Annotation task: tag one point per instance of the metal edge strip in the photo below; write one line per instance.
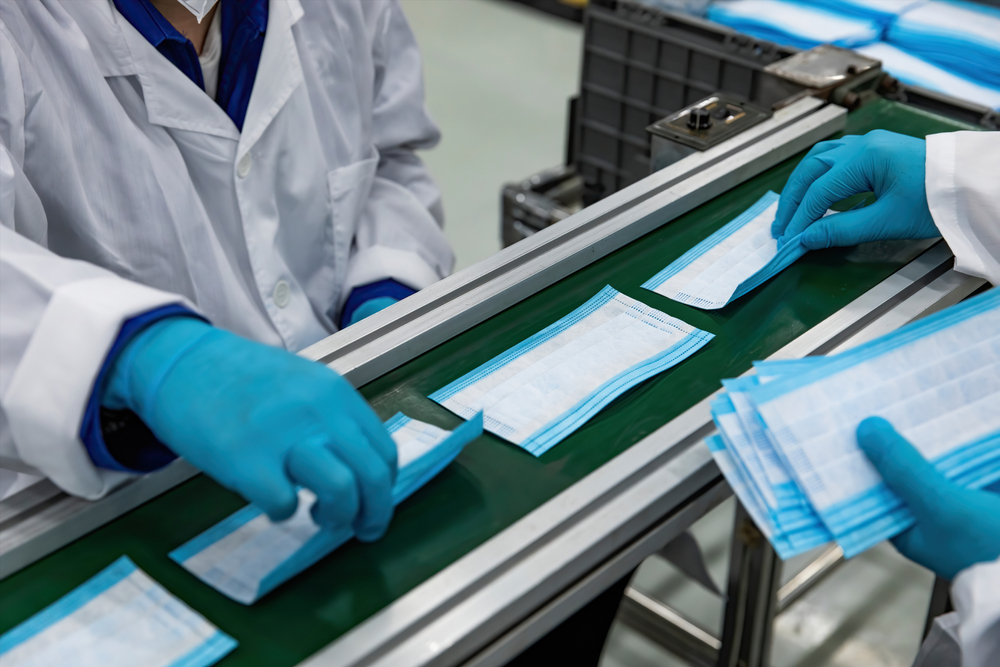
(567, 602)
(56, 524)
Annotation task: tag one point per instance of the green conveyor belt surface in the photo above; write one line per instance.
(492, 484)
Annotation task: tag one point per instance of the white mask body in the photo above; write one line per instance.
(199, 7)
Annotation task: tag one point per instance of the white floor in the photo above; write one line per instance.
(498, 79)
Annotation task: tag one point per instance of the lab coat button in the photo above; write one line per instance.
(243, 168)
(282, 293)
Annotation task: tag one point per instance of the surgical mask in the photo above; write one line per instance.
(736, 259)
(538, 392)
(247, 555)
(119, 618)
(200, 8)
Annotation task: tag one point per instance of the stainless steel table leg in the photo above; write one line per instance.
(754, 576)
(940, 603)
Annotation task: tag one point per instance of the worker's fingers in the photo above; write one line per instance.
(798, 183)
(373, 478)
(267, 487)
(840, 182)
(316, 468)
(908, 474)
(844, 229)
(354, 405)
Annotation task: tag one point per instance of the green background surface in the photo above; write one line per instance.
(492, 484)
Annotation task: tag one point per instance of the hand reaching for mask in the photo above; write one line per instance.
(260, 421)
(890, 165)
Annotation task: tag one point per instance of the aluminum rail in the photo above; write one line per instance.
(401, 332)
(57, 520)
(665, 626)
(473, 602)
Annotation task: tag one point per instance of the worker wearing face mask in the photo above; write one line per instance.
(190, 192)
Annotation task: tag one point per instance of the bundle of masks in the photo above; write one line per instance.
(916, 71)
(946, 46)
(794, 23)
(962, 37)
(787, 442)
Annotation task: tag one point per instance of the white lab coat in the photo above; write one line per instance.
(124, 187)
(964, 199)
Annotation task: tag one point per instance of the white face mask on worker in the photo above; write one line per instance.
(199, 7)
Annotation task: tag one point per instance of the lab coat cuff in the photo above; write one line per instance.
(133, 448)
(377, 263)
(975, 593)
(49, 391)
(949, 203)
(377, 290)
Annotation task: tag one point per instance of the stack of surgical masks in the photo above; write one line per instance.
(883, 11)
(541, 390)
(787, 442)
(119, 618)
(962, 37)
(247, 555)
(794, 24)
(734, 260)
(915, 71)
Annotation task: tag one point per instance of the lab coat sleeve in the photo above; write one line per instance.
(976, 596)
(400, 233)
(964, 199)
(58, 319)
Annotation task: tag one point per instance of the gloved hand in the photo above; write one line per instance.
(890, 165)
(259, 421)
(370, 307)
(956, 527)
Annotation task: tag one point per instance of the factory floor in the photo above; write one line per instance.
(498, 78)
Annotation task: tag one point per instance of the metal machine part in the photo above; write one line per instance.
(823, 67)
(700, 126)
(825, 71)
(541, 200)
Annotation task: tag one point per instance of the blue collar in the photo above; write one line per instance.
(244, 23)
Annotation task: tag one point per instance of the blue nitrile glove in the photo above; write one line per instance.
(956, 527)
(370, 307)
(259, 421)
(890, 165)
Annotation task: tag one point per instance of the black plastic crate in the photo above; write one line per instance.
(641, 64)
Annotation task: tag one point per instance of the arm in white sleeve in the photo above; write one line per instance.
(963, 169)
(976, 596)
(399, 235)
(58, 319)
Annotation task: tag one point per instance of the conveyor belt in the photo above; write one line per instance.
(493, 483)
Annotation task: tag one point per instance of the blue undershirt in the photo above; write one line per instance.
(146, 453)
(244, 23)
